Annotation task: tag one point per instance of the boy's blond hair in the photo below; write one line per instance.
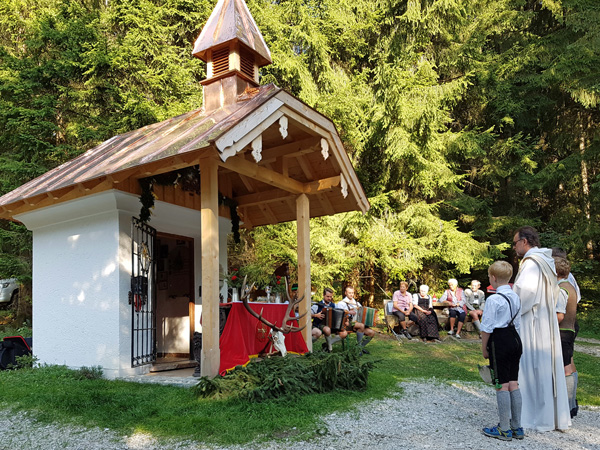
(502, 271)
(563, 266)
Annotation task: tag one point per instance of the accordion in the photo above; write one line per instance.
(367, 316)
(335, 318)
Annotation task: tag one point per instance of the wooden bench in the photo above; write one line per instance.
(413, 329)
(444, 319)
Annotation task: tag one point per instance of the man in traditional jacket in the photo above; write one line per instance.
(541, 374)
(318, 322)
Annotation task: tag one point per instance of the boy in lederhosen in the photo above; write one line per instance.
(500, 342)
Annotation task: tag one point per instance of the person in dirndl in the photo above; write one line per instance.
(424, 315)
(501, 344)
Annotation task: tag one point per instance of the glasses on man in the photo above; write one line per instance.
(515, 242)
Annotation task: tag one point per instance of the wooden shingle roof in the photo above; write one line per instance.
(270, 145)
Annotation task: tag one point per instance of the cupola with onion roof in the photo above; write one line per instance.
(234, 49)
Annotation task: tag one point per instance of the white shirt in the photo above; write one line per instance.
(416, 300)
(561, 304)
(571, 280)
(497, 312)
(348, 305)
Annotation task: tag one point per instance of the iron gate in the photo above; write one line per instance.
(142, 296)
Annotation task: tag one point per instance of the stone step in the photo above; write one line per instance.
(173, 365)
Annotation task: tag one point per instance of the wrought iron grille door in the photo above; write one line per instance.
(142, 296)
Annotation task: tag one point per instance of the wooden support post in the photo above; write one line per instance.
(304, 286)
(209, 223)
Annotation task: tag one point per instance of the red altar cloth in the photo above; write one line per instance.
(240, 340)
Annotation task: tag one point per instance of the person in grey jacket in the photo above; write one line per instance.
(474, 301)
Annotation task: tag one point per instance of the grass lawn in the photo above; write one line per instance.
(55, 394)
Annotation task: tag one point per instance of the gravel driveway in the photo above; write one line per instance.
(428, 415)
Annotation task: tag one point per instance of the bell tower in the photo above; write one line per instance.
(233, 49)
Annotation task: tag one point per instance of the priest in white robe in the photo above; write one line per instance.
(541, 373)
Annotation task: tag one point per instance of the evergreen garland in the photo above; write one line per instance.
(290, 377)
(188, 179)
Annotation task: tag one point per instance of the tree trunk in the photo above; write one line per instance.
(587, 208)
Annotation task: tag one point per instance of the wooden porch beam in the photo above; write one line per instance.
(252, 170)
(260, 197)
(324, 201)
(247, 183)
(209, 226)
(273, 195)
(268, 213)
(304, 283)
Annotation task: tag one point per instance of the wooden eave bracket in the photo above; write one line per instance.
(248, 129)
(319, 186)
(282, 108)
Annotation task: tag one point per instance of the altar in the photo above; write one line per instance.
(245, 337)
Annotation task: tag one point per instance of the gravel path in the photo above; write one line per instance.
(452, 419)
(593, 350)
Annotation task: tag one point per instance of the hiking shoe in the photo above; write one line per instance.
(365, 351)
(450, 333)
(497, 433)
(457, 336)
(518, 433)
(407, 334)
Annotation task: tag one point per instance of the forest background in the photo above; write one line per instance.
(464, 120)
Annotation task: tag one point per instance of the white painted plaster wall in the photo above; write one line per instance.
(76, 291)
(81, 277)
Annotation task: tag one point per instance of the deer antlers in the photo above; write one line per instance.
(286, 327)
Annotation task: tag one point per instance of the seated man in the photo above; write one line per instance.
(318, 322)
(474, 301)
(403, 306)
(350, 304)
(456, 297)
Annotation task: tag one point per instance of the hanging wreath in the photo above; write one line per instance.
(188, 179)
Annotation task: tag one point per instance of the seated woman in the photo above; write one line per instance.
(403, 306)
(424, 315)
(456, 297)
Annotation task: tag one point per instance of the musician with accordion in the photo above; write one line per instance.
(328, 319)
(358, 315)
